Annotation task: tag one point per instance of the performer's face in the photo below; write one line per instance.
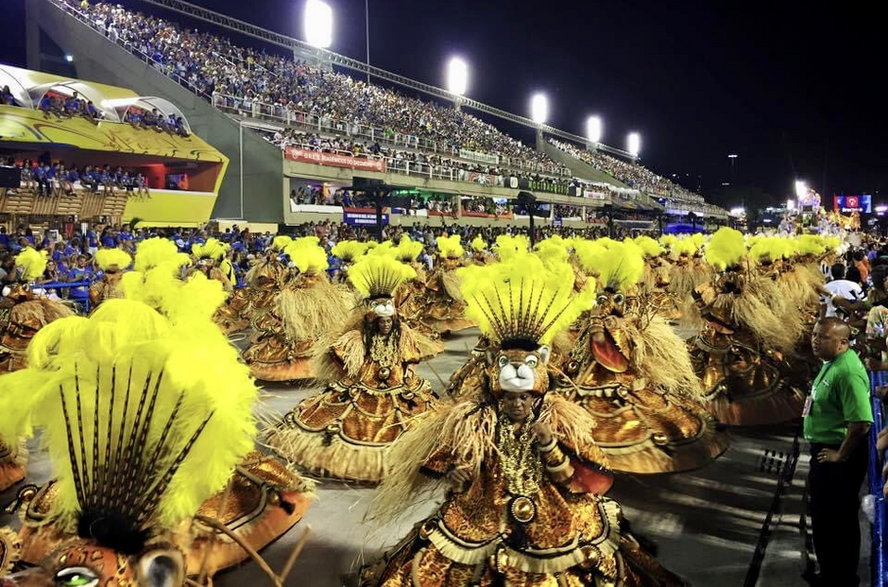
(384, 324)
(517, 406)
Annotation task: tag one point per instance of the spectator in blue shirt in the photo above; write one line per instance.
(108, 240)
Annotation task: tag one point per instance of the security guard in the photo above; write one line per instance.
(837, 417)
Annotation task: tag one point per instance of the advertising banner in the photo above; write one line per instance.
(487, 158)
(334, 160)
(862, 203)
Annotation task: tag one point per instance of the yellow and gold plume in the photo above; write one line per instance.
(479, 244)
(212, 249)
(618, 265)
(649, 246)
(307, 256)
(378, 276)
(349, 250)
(408, 249)
(507, 246)
(522, 302)
(157, 252)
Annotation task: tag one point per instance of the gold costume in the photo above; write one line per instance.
(526, 504)
(345, 431)
(741, 353)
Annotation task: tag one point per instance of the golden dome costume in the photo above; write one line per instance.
(410, 298)
(526, 503)
(632, 373)
(148, 420)
(740, 354)
(112, 262)
(344, 432)
(306, 307)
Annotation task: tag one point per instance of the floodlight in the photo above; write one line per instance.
(801, 189)
(457, 76)
(69, 58)
(790, 204)
(318, 24)
(594, 129)
(633, 144)
(738, 211)
(539, 108)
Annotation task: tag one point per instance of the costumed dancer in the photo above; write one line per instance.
(626, 366)
(22, 312)
(480, 254)
(112, 262)
(306, 307)
(262, 280)
(147, 416)
(657, 277)
(347, 251)
(345, 431)
(740, 354)
(445, 308)
(410, 299)
(688, 271)
(526, 481)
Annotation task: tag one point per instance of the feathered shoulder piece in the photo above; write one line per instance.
(522, 302)
(725, 249)
(449, 246)
(308, 258)
(113, 259)
(507, 246)
(349, 251)
(212, 249)
(32, 262)
(408, 249)
(377, 276)
(142, 421)
(619, 265)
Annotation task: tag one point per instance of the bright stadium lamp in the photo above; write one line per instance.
(457, 76)
(539, 108)
(633, 144)
(318, 24)
(801, 189)
(790, 204)
(594, 129)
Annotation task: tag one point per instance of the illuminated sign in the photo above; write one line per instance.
(854, 203)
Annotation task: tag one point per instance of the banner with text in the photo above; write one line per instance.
(487, 158)
(362, 217)
(334, 160)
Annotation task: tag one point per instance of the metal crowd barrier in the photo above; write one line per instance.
(879, 546)
(82, 301)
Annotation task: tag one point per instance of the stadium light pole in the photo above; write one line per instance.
(733, 157)
(801, 189)
(633, 144)
(594, 130)
(457, 79)
(539, 113)
(318, 23)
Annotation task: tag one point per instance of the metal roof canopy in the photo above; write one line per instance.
(19, 91)
(68, 88)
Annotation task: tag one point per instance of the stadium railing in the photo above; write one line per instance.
(81, 299)
(879, 543)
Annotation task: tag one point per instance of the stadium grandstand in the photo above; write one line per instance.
(293, 127)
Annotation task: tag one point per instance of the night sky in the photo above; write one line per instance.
(794, 89)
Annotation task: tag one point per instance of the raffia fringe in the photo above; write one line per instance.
(338, 459)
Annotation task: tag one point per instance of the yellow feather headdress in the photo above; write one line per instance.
(649, 246)
(522, 302)
(552, 250)
(113, 259)
(157, 252)
(212, 249)
(280, 242)
(378, 276)
(32, 262)
(408, 249)
(725, 249)
(478, 244)
(308, 258)
(449, 246)
(349, 250)
(142, 421)
(507, 246)
(618, 266)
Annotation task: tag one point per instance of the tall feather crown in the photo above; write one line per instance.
(212, 249)
(522, 302)
(349, 250)
(377, 276)
(725, 249)
(108, 259)
(449, 246)
(32, 262)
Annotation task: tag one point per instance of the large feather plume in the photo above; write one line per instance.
(32, 262)
(449, 246)
(212, 249)
(408, 249)
(159, 252)
(507, 246)
(726, 248)
(307, 256)
(349, 250)
(376, 275)
(109, 258)
(618, 265)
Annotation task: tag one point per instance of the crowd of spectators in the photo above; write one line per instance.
(7, 98)
(632, 174)
(50, 179)
(62, 106)
(243, 76)
(157, 120)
